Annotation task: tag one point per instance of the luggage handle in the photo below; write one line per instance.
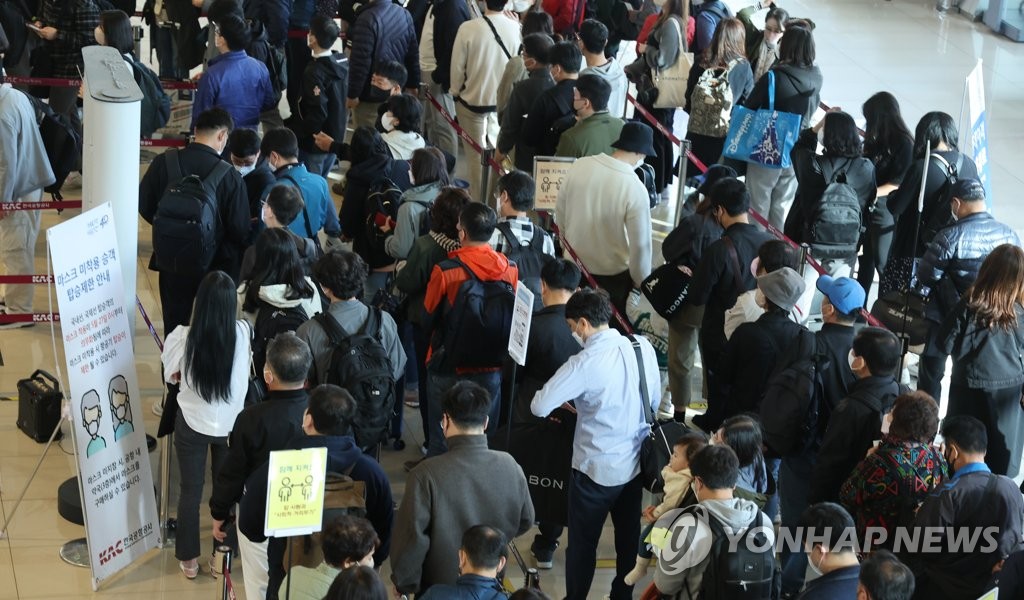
(39, 373)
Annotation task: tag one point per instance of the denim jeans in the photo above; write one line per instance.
(191, 448)
(318, 163)
(589, 506)
(439, 386)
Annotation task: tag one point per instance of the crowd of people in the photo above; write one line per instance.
(294, 322)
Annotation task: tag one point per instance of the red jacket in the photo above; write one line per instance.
(567, 14)
(444, 283)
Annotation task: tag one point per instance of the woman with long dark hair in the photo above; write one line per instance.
(939, 129)
(209, 359)
(278, 282)
(890, 146)
(724, 58)
(427, 251)
(798, 84)
(985, 337)
(372, 163)
(666, 45)
(841, 161)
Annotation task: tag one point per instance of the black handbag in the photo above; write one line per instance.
(656, 449)
(903, 313)
(666, 288)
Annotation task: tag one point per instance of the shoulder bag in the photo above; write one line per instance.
(656, 449)
(671, 81)
(764, 136)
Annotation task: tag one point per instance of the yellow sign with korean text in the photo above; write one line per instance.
(295, 492)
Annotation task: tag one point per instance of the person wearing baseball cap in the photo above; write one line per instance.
(750, 355)
(950, 265)
(841, 303)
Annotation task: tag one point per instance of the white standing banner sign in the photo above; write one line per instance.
(979, 128)
(119, 505)
(522, 317)
(548, 174)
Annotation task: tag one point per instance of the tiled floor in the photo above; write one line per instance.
(863, 46)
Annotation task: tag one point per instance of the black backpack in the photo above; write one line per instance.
(382, 201)
(836, 221)
(738, 568)
(792, 403)
(185, 224)
(156, 105)
(61, 141)
(940, 216)
(530, 258)
(360, 364)
(478, 324)
(423, 227)
(270, 321)
(645, 173)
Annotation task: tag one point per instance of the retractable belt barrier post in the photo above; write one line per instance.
(753, 213)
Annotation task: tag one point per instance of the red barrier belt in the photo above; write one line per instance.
(163, 143)
(42, 205)
(462, 133)
(665, 132)
(149, 324)
(26, 279)
(167, 84)
(29, 317)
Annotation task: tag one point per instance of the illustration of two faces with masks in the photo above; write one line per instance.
(120, 407)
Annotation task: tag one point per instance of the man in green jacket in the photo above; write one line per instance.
(595, 129)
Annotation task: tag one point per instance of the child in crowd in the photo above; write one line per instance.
(742, 433)
(677, 482)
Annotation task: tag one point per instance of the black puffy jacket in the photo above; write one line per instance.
(953, 257)
(382, 31)
(322, 105)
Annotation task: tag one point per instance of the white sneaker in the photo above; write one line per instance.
(158, 407)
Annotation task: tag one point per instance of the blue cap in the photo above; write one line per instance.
(844, 293)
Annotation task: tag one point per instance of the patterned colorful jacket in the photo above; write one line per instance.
(887, 487)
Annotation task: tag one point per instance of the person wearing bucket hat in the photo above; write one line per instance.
(950, 265)
(750, 356)
(684, 247)
(605, 216)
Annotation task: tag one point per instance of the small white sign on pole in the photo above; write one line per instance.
(548, 174)
(113, 459)
(522, 316)
(295, 492)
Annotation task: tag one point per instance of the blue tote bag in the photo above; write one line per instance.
(762, 137)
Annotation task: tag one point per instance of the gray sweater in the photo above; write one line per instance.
(446, 495)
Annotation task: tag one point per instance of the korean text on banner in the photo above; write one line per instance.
(979, 128)
(522, 316)
(548, 174)
(113, 460)
(295, 492)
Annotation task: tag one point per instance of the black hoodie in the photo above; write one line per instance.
(797, 91)
(322, 104)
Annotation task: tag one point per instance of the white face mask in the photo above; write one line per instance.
(387, 121)
(521, 6)
(851, 357)
(638, 163)
(816, 567)
(759, 298)
(245, 169)
(821, 136)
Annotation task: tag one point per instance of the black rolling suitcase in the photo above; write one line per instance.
(39, 400)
